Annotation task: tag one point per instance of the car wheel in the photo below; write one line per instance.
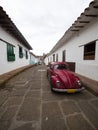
(47, 74)
(49, 77)
(51, 85)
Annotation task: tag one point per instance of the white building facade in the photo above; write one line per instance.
(79, 45)
(14, 49)
(33, 58)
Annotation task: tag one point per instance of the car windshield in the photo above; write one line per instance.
(60, 66)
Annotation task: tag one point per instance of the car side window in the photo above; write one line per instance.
(56, 67)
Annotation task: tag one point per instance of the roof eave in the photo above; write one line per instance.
(9, 26)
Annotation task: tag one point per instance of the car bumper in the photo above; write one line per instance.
(68, 90)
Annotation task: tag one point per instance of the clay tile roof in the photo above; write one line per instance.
(8, 25)
(85, 18)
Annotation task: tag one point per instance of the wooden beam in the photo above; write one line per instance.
(91, 15)
(84, 21)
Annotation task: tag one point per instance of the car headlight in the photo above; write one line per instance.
(58, 83)
(79, 83)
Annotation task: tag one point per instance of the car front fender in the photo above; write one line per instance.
(54, 79)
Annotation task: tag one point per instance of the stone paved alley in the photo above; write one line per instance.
(27, 103)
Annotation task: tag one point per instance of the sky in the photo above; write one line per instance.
(43, 22)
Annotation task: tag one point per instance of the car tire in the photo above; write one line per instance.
(47, 74)
(51, 85)
(49, 77)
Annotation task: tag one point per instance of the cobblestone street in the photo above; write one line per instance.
(27, 103)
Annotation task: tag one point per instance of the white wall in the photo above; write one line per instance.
(6, 66)
(74, 53)
(33, 59)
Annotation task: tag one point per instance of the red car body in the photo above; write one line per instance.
(62, 79)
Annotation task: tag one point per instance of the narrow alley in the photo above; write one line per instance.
(27, 103)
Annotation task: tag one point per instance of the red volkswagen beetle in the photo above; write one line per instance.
(62, 79)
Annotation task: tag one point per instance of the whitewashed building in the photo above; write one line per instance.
(79, 44)
(14, 49)
(33, 58)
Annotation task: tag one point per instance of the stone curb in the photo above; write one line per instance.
(89, 84)
(7, 76)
